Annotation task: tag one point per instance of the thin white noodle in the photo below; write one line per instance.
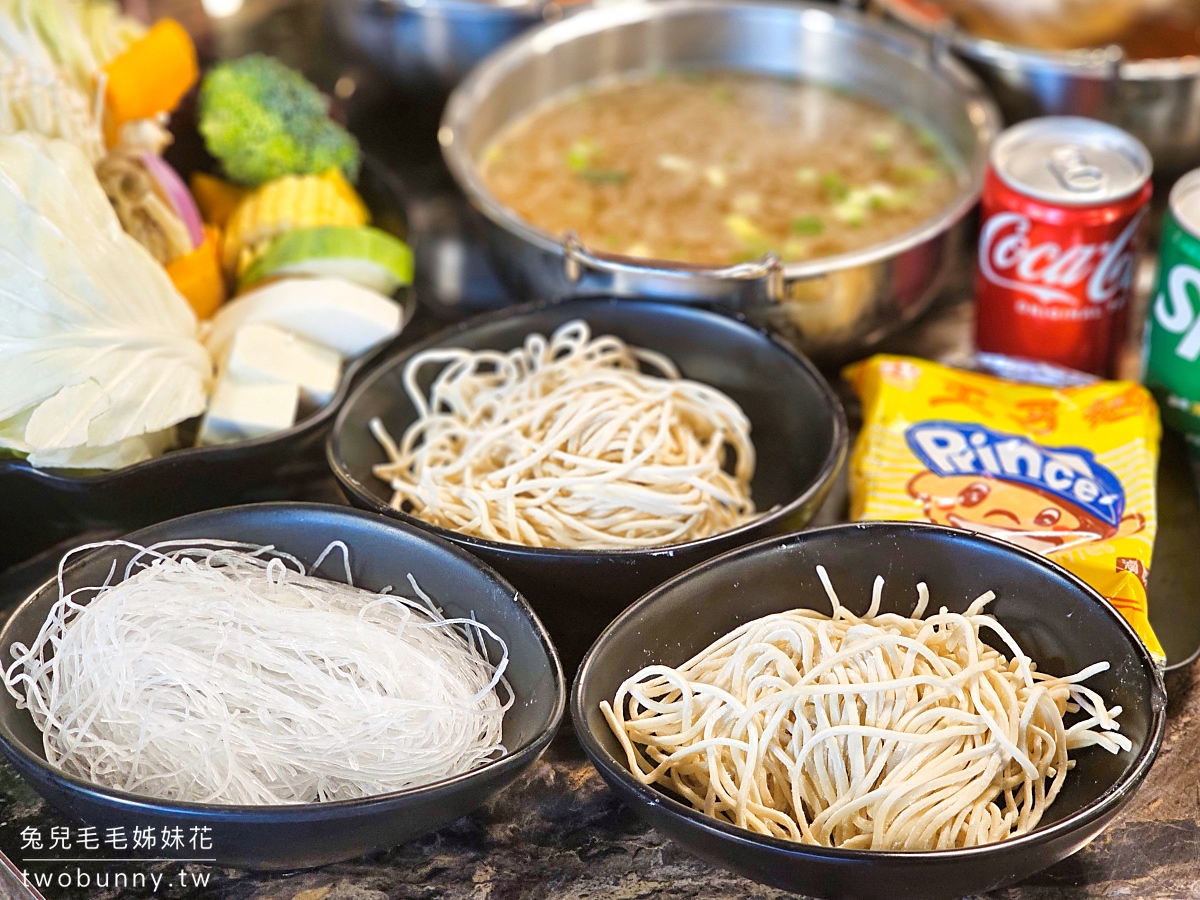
(219, 672)
(881, 732)
(567, 442)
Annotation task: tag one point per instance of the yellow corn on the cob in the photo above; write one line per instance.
(286, 204)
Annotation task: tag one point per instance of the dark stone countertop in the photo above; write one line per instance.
(560, 833)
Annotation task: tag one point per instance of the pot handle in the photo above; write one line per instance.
(579, 259)
(938, 29)
(1113, 60)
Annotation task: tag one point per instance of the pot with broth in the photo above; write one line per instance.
(734, 166)
(686, 150)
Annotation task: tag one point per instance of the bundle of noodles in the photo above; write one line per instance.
(1054, 24)
(882, 732)
(146, 213)
(46, 102)
(217, 672)
(566, 442)
(77, 37)
(50, 54)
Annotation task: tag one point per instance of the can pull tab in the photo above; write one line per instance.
(1073, 171)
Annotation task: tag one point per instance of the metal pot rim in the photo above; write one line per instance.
(1101, 63)
(478, 7)
(481, 81)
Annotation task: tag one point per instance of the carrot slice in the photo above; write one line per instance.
(197, 275)
(216, 198)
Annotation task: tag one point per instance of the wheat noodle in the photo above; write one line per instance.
(880, 732)
(566, 442)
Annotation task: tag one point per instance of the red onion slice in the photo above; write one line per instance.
(176, 191)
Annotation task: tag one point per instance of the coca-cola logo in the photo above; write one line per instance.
(1048, 272)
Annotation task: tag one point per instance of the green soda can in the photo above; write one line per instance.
(1172, 342)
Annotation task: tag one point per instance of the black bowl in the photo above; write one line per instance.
(1058, 620)
(303, 835)
(798, 428)
(53, 504)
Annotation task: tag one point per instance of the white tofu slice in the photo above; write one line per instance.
(334, 313)
(265, 353)
(240, 411)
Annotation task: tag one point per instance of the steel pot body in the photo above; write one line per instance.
(425, 47)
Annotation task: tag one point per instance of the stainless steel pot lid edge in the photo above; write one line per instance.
(1101, 63)
(531, 8)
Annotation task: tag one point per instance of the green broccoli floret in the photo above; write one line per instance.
(263, 120)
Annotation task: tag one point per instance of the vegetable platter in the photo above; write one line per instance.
(206, 264)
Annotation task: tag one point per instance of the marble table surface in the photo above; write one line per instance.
(559, 832)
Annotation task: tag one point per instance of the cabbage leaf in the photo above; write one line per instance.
(99, 355)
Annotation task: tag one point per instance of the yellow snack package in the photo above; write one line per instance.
(1066, 472)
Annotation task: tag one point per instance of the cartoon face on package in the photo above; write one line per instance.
(1064, 472)
(1046, 499)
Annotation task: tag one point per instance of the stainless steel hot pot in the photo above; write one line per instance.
(426, 46)
(832, 307)
(1156, 100)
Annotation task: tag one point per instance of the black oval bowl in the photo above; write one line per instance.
(797, 424)
(53, 504)
(304, 835)
(1057, 619)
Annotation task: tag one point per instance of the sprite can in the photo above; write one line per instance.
(1172, 357)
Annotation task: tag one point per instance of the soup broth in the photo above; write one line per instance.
(719, 168)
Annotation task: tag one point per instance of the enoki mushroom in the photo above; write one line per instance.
(567, 442)
(879, 732)
(217, 672)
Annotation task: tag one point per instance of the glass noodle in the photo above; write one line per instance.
(220, 672)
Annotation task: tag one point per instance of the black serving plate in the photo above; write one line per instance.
(382, 553)
(45, 506)
(1035, 598)
(798, 428)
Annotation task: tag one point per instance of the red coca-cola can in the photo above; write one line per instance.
(1064, 199)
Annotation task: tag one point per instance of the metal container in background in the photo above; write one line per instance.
(425, 47)
(1155, 100)
(831, 308)
(1172, 357)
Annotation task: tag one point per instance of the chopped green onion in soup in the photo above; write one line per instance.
(834, 186)
(745, 230)
(807, 175)
(716, 176)
(807, 226)
(581, 153)
(673, 163)
(747, 203)
(603, 176)
(883, 143)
